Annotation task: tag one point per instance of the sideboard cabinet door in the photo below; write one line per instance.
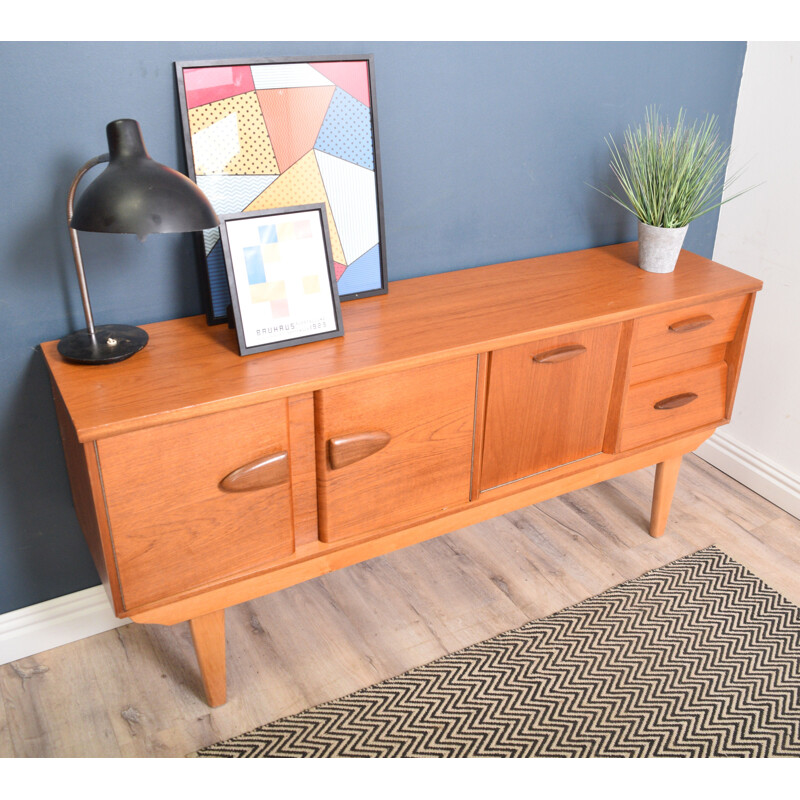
(395, 448)
(547, 404)
(197, 501)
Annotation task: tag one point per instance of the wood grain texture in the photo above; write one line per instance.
(735, 354)
(6, 746)
(321, 558)
(675, 401)
(663, 489)
(454, 398)
(105, 696)
(263, 473)
(151, 715)
(77, 455)
(612, 442)
(303, 468)
(680, 362)
(644, 422)
(172, 525)
(482, 309)
(672, 333)
(37, 691)
(540, 415)
(481, 393)
(559, 354)
(208, 634)
(87, 498)
(691, 324)
(352, 447)
(422, 469)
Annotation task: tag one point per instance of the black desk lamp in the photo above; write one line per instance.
(134, 194)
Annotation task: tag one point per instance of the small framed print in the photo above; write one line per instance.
(281, 276)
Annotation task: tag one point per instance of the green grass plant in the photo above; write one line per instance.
(670, 174)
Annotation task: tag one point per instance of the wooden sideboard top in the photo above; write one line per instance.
(189, 368)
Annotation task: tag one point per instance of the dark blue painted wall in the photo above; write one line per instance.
(485, 148)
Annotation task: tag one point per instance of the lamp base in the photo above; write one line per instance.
(108, 344)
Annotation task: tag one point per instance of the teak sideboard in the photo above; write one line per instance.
(203, 479)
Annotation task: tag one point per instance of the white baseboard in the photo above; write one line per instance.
(759, 473)
(62, 620)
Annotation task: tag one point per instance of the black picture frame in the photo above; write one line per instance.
(281, 277)
(352, 192)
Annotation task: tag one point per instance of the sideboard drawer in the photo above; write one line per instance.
(674, 404)
(394, 448)
(175, 522)
(676, 332)
(682, 362)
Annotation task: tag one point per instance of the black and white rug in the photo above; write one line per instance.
(698, 658)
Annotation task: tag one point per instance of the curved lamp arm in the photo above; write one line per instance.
(134, 194)
(73, 235)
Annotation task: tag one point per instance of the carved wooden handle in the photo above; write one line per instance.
(676, 401)
(691, 324)
(559, 354)
(272, 470)
(344, 450)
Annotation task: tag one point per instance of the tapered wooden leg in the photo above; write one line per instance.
(208, 634)
(664, 488)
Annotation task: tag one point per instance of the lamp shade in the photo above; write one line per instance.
(135, 194)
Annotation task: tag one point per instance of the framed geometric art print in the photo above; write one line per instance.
(275, 133)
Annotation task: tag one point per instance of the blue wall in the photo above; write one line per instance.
(485, 148)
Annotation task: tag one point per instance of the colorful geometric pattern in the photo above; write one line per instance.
(229, 138)
(346, 131)
(302, 179)
(699, 658)
(277, 135)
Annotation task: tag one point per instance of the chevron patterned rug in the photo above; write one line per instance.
(698, 658)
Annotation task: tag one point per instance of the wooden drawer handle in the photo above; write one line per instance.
(692, 324)
(271, 470)
(676, 401)
(344, 450)
(559, 354)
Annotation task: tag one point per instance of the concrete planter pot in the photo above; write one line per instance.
(659, 247)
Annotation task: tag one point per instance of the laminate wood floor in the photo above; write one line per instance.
(136, 691)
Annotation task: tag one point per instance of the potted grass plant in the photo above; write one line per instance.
(669, 175)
